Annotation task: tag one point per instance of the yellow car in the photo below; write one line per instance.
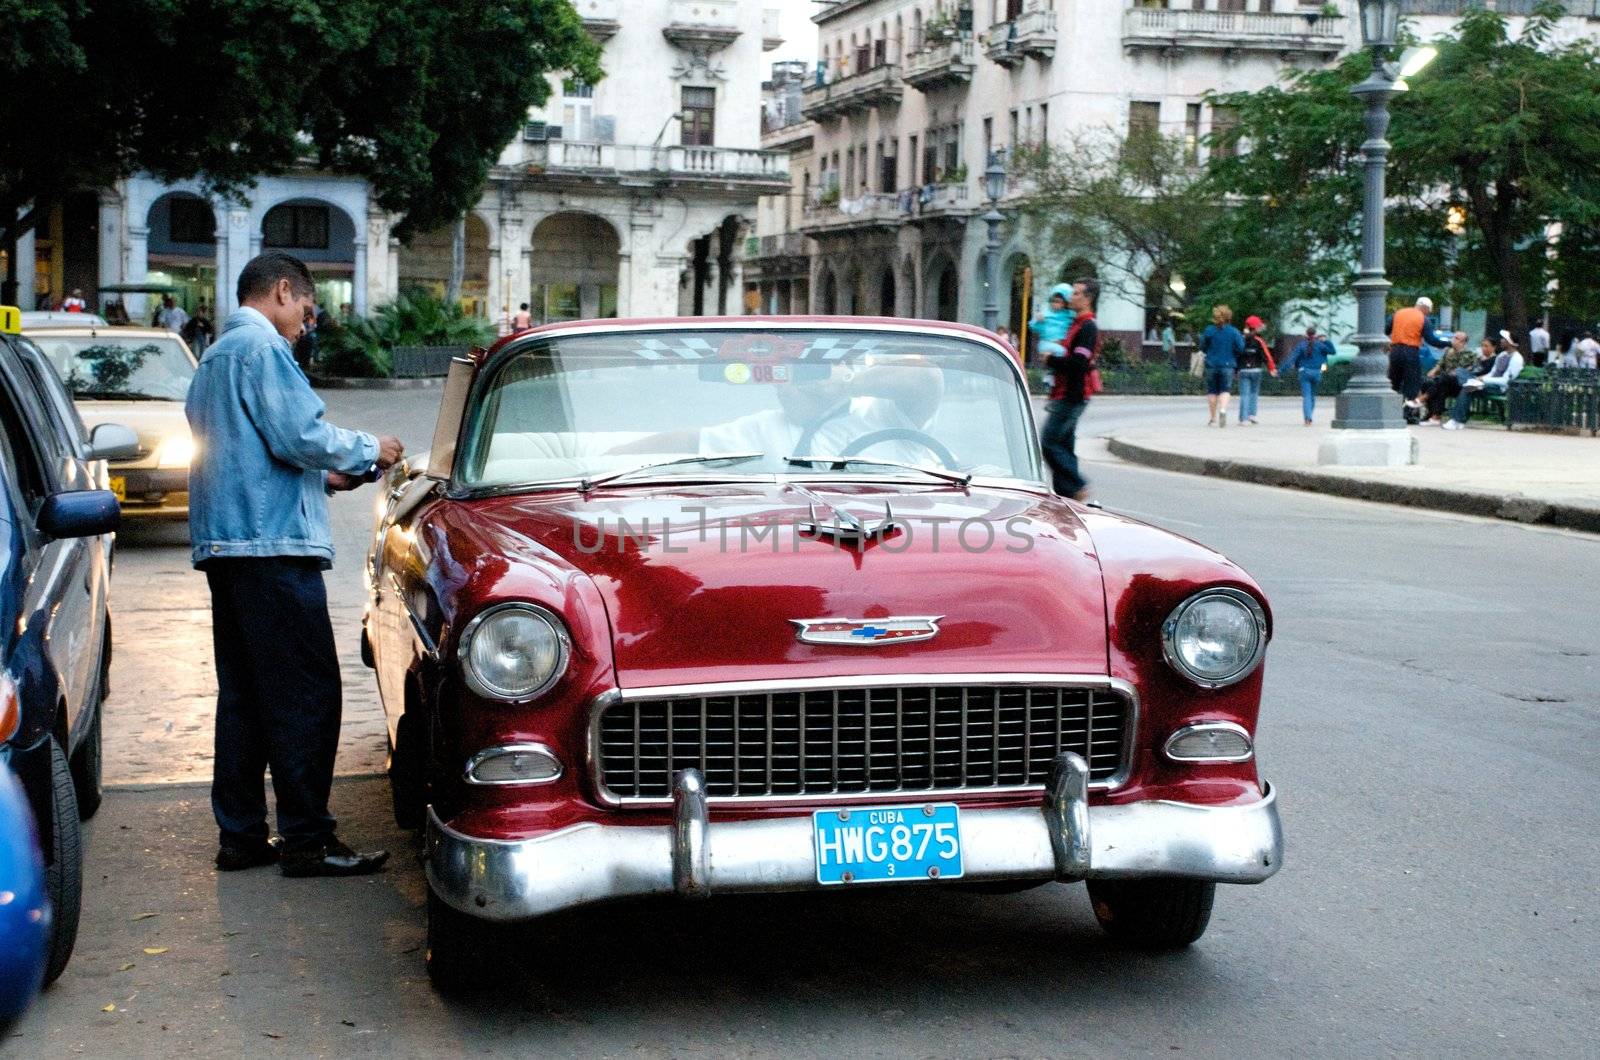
(138, 377)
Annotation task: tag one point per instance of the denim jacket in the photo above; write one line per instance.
(257, 485)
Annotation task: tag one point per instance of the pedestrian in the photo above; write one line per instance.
(1408, 331)
(171, 315)
(1441, 383)
(1539, 344)
(1220, 344)
(75, 303)
(258, 519)
(1052, 328)
(1508, 364)
(522, 320)
(1255, 360)
(116, 312)
(1588, 351)
(1169, 341)
(1309, 359)
(1075, 378)
(1003, 333)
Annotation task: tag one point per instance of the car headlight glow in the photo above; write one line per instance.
(177, 451)
(1216, 637)
(513, 652)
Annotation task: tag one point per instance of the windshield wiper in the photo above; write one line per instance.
(585, 485)
(839, 463)
(116, 395)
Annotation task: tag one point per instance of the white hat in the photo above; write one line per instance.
(1425, 302)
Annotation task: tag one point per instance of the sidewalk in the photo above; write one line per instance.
(1486, 470)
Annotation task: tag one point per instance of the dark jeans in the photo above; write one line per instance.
(278, 690)
(1405, 370)
(1463, 405)
(1440, 389)
(1061, 446)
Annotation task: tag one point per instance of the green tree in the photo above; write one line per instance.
(1499, 130)
(416, 96)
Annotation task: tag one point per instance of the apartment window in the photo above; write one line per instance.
(911, 161)
(850, 172)
(1016, 128)
(1144, 119)
(988, 137)
(1223, 121)
(191, 221)
(1027, 126)
(1191, 133)
(1044, 123)
(577, 110)
(699, 116)
(930, 161)
(952, 153)
(889, 170)
(299, 225)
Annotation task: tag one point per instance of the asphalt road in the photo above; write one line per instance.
(1431, 720)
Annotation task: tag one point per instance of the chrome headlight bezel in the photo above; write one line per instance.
(476, 682)
(1169, 634)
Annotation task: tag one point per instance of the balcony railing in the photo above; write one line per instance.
(577, 158)
(1311, 33)
(942, 200)
(874, 209)
(708, 24)
(1030, 33)
(876, 87)
(939, 64)
(602, 18)
(781, 245)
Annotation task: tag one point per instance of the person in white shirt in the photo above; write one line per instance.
(1507, 367)
(74, 304)
(172, 317)
(1588, 351)
(1539, 343)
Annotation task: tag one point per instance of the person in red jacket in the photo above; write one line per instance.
(1076, 377)
(1256, 359)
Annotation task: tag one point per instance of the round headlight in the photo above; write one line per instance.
(513, 652)
(1216, 637)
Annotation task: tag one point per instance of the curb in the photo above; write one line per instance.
(1510, 507)
(377, 384)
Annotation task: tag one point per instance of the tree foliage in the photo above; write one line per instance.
(1501, 128)
(416, 96)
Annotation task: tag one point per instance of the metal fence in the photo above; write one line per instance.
(421, 362)
(1564, 400)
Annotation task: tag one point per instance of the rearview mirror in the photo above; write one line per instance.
(112, 441)
(79, 513)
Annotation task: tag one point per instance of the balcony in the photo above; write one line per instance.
(941, 64)
(602, 18)
(780, 247)
(878, 87)
(705, 25)
(875, 209)
(783, 133)
(771, 29)
(1030, 33)
(1286, 33)
(937, 202)
(635, 164)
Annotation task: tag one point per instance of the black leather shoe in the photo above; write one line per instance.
(232, 859)
(332, 858)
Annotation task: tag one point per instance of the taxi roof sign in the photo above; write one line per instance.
(10, 320)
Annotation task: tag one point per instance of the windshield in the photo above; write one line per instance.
(122, 368)
(766, 401)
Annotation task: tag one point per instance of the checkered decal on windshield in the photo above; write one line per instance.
(698, 348)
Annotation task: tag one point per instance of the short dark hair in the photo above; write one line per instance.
(524, 305)
(262, 273)
(1091, 290)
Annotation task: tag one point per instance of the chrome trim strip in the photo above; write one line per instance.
(512, 748)
(1169, 649)
(518, 880)
(604, 700)
(429, 645)
(563, 642)
(691, 865)
(1207, 726)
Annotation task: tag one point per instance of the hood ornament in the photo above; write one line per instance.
(847, 529)
(866, 632)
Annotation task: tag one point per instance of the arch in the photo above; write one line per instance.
(577, 258)
(1076, 267)
(906, 304)
(827, 293)
(1013, 313)
(181, 248)
(887, 293)
(320, 233)
(425, 263)
(942, 289)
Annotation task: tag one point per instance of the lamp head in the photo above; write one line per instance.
(1380, 23)
(994, 177)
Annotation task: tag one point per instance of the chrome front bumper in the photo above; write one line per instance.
(1065, 840)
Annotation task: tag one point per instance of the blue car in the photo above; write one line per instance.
(56, 526)
(25, 914)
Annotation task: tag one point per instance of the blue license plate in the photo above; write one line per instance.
(871, 844)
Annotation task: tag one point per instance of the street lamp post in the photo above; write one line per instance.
(994, 185)
(1368, 425)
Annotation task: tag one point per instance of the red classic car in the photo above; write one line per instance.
(711, 606)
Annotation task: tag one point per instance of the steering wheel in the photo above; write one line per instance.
(903, 434)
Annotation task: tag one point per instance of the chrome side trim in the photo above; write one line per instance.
(604, 700)
(1169, 648)
(512, 748)
(1207, 726)
(512, 880)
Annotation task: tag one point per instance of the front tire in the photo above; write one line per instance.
(63, 877)
(1153, 914)
(408, 784)
(464, 954)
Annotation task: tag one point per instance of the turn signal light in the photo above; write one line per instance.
(10, 708)
(514, 764)
(1211, 741)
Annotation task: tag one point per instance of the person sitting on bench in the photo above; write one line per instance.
(1507, 366)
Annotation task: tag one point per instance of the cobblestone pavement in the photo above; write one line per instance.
(158, 723)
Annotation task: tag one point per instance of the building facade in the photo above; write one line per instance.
(632, 197)
(909, 98)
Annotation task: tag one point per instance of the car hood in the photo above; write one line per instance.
(152, 421)
(706, 583)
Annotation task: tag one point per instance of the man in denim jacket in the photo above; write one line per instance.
(258, 522)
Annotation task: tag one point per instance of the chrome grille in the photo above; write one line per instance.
(852, 741)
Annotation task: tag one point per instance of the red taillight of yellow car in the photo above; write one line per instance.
(10, 708)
